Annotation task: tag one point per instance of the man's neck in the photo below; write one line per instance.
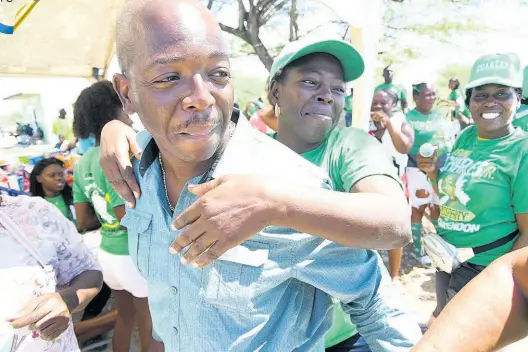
(388, 81)
(177, 170)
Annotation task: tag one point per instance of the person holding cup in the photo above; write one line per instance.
(482, 185)
(429, 126)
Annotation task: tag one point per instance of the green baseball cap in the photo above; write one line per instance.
(503, 69)
(350, 59)
(525, 83)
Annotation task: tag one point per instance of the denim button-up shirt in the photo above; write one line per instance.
(271, 293)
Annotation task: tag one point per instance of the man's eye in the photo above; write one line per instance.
(308, 81)
(168, 79)
(221, 74)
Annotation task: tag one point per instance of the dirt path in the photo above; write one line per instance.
(417, 286)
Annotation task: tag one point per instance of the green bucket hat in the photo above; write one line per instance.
(350, 59)
(503, 69)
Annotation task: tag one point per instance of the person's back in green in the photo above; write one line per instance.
(91, 186)
(399, 91)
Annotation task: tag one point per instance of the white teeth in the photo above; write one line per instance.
(490, 115)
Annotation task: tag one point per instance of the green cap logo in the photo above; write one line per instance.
(503, 69)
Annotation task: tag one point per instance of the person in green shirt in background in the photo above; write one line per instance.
(47, 180)
(429, 127)
(521, 116)
(388, 75)
(483, 184)
(348, 108)
(97, 202)
(455, 100)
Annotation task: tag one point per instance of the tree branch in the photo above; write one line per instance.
(242, 15)
(237, 33)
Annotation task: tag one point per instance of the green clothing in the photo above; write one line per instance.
(64, 127)
(397, 89)
(341, 329)
(456, 95)
(483, 184)
(61, 205)
(348, 104)
(349, 155)
(90, 185)
(432, 128)
(521, 118)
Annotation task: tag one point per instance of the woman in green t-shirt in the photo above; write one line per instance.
(429, 126)
(47, 180)
(483, 184)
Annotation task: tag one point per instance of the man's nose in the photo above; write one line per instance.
(200, 97)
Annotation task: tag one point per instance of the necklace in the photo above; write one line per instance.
(206, 177)
(165, 184)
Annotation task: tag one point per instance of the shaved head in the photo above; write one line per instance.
(176, 76)
(183, 19)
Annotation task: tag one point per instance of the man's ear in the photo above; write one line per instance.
(122, 88)
(274, 93)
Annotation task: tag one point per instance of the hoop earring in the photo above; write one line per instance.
(277, 110)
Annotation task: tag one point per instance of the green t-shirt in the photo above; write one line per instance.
(456, 95)
(521, 118)
(431, 128)
(348, 104)
(483, 184)
(349, 155)
(397, 89)
(61, 205)
(90, 185)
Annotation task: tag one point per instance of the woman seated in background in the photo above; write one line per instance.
(483, 184)
(97, 202)
(47, 274)
(47, 180)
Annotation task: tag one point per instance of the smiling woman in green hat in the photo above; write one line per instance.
(483, 184)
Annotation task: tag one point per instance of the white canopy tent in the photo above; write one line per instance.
(54, 50)
(62, 39)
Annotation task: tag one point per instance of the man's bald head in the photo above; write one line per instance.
(176, 20)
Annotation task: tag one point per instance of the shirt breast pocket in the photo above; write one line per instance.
(233, 281)
(139, 227)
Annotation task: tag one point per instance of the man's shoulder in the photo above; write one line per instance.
(252, 152)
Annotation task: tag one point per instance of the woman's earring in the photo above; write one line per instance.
(277, 110)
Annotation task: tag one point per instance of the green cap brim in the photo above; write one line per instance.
(350, 59)
(494, 80)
